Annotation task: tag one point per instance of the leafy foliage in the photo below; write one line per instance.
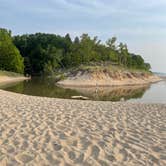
(10, 58)
(45, 53)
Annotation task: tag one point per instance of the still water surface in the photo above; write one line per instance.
(154, 93)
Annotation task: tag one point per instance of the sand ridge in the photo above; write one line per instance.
(44, 131)
(9, 79)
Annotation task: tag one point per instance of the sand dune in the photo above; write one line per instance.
(44, 131)
(107, 78)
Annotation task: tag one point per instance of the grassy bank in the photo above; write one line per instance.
(109, 67)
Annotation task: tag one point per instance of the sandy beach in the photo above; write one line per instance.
(44, 131)
(9, 79)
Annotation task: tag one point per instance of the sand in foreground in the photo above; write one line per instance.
(43, 131)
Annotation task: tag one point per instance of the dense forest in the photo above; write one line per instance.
(45, 53)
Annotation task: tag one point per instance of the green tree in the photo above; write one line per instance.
(10, 58)
(88, 48)
(123, 54)
(113, 54)
(48, 52)
(112, 43)
(147, 66)
(53, 60)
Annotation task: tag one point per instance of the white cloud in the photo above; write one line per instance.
(140, 23)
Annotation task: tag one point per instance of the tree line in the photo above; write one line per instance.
(45, 53)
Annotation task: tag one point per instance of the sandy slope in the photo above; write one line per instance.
(44, 131)
(101, 78)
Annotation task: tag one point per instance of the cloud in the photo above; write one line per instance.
(118, 15)
(140, 23)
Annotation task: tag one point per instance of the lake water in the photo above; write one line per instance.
(154, 93)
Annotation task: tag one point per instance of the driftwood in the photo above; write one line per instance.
(80, 97)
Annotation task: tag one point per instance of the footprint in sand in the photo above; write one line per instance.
(57, 147)
(72, 155)
(24, 158)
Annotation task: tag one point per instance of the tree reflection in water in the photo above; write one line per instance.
(46, 87)
(113, 93)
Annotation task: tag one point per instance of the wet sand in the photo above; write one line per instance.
(44, 131)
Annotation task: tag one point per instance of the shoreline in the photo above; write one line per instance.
(10, 79)
(107, 82)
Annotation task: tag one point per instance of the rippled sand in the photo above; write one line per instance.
(43, 131)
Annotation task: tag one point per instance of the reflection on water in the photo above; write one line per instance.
(47, 87)
(155, 94)
(113, 93)
(39, 87)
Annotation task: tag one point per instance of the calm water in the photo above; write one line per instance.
(47, 87)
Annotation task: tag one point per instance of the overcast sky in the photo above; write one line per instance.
(139, 23)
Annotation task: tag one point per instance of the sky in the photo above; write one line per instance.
(141, 24)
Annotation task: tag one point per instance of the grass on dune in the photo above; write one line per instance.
(110, 67)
